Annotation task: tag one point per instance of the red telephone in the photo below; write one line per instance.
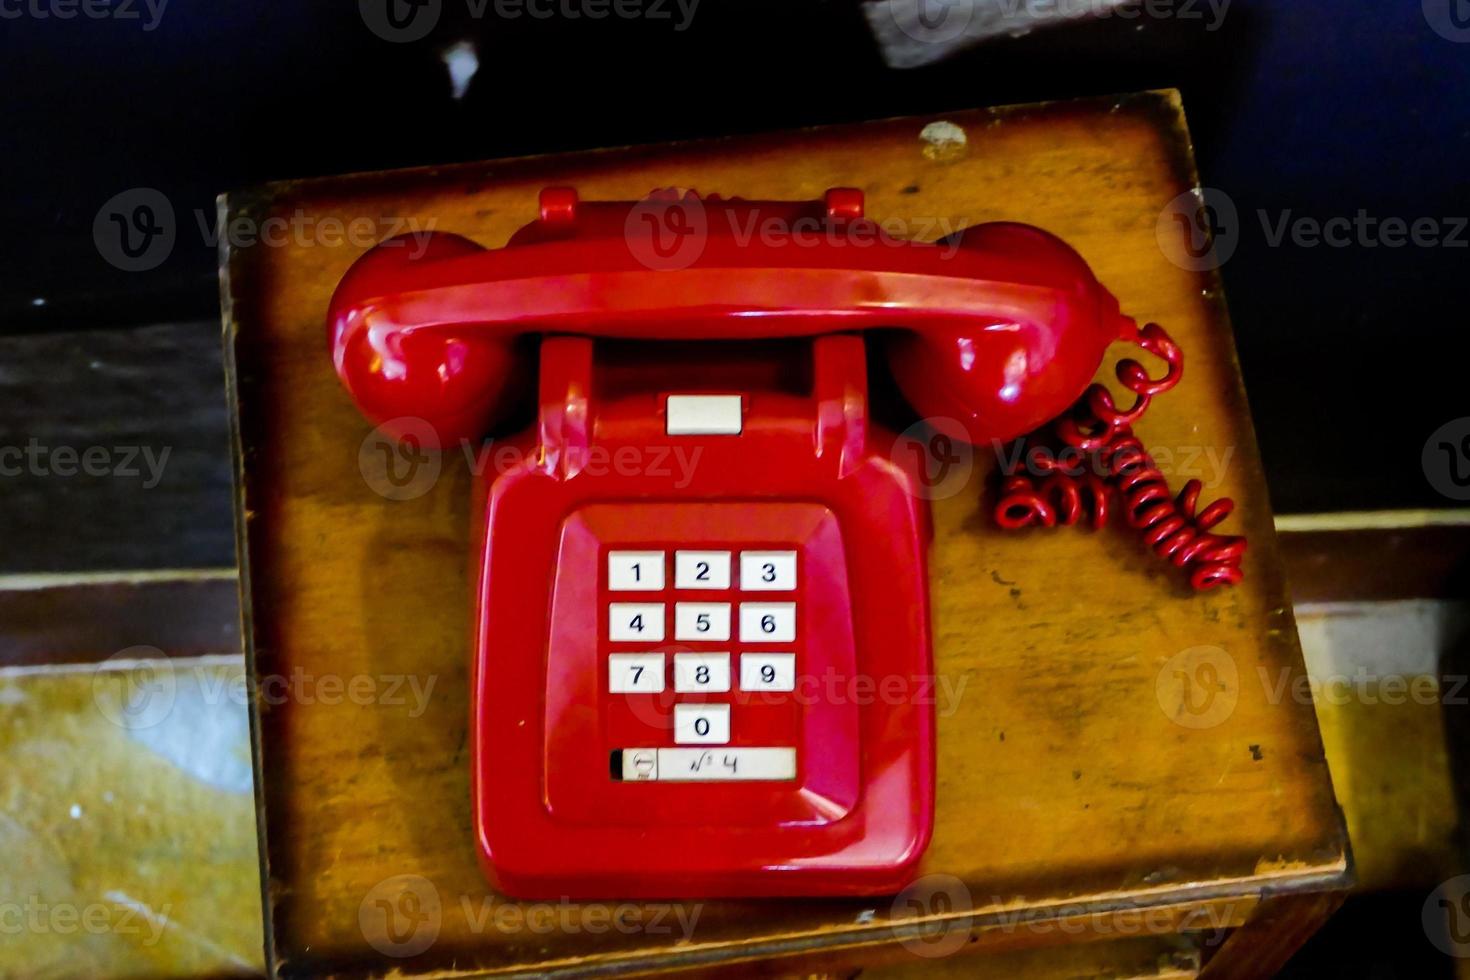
(669, 681)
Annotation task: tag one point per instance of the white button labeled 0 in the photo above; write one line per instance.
(701, 724)
(768, 571)
(635, 571)
(767, 622)
(695, 672)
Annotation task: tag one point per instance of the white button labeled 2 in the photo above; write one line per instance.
(635, 571)
(767, 671)
(701, 724)
(702, 621)
(695, 672)
(773, 622)
(635, 673)
(768, 571)
(635, 621)
(701, 569)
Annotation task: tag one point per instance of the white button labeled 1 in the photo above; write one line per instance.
(635, 571)
(767, 622)
(702, 621)
(768, 571)
(694, 672)
(768, 672)
(635, 673)
(635, 621)
(701, 724)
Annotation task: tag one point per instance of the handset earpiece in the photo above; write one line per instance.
(459, 379)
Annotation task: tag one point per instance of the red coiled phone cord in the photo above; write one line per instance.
(1097, 430)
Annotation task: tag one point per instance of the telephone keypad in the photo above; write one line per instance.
(712, 678)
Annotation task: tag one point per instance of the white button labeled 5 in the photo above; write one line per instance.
(635, 621)
(695, 672)
(701, 724)
(635, 571)
(767, 671)
(702, 621)
(635, 673)
(772, 622)
(768, 571)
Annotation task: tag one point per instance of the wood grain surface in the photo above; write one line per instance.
(1107, 739)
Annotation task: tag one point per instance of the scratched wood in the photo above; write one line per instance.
(1106, 738)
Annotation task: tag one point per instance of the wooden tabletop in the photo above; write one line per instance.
(1108, 741)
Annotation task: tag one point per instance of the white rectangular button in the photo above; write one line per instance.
(635, 673)
(767, 622)
(635, 571)
(702, 621)
(635, 621)
(700, 765)
(640, 765)
(702, 415)
(701, 724)
(767, 671)
(768, 571)
(694, 672)
(701, 569)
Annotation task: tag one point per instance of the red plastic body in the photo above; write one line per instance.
(1000, 329)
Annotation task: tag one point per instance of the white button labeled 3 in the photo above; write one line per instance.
(635, 621)
(701, 569)
(702, 621)
(768, 571)
(635, 571)
(701, 724)
(695, 672)
(635, 673)
(767, 671)
(767, 622)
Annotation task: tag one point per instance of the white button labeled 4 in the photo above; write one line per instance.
(635, 621)
(772, 622)
(701, 724)
(695, 672)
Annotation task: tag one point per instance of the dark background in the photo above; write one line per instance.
(1352, 356)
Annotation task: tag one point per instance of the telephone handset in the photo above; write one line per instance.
(714, 679)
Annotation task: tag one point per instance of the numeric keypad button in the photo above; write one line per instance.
(701, 724)
(702, 621)
(635, 621)
(701, 569)
(768, 571)
(635, 673)
(767, 671)
(635, 571)
(767, 622)
(696, 672)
